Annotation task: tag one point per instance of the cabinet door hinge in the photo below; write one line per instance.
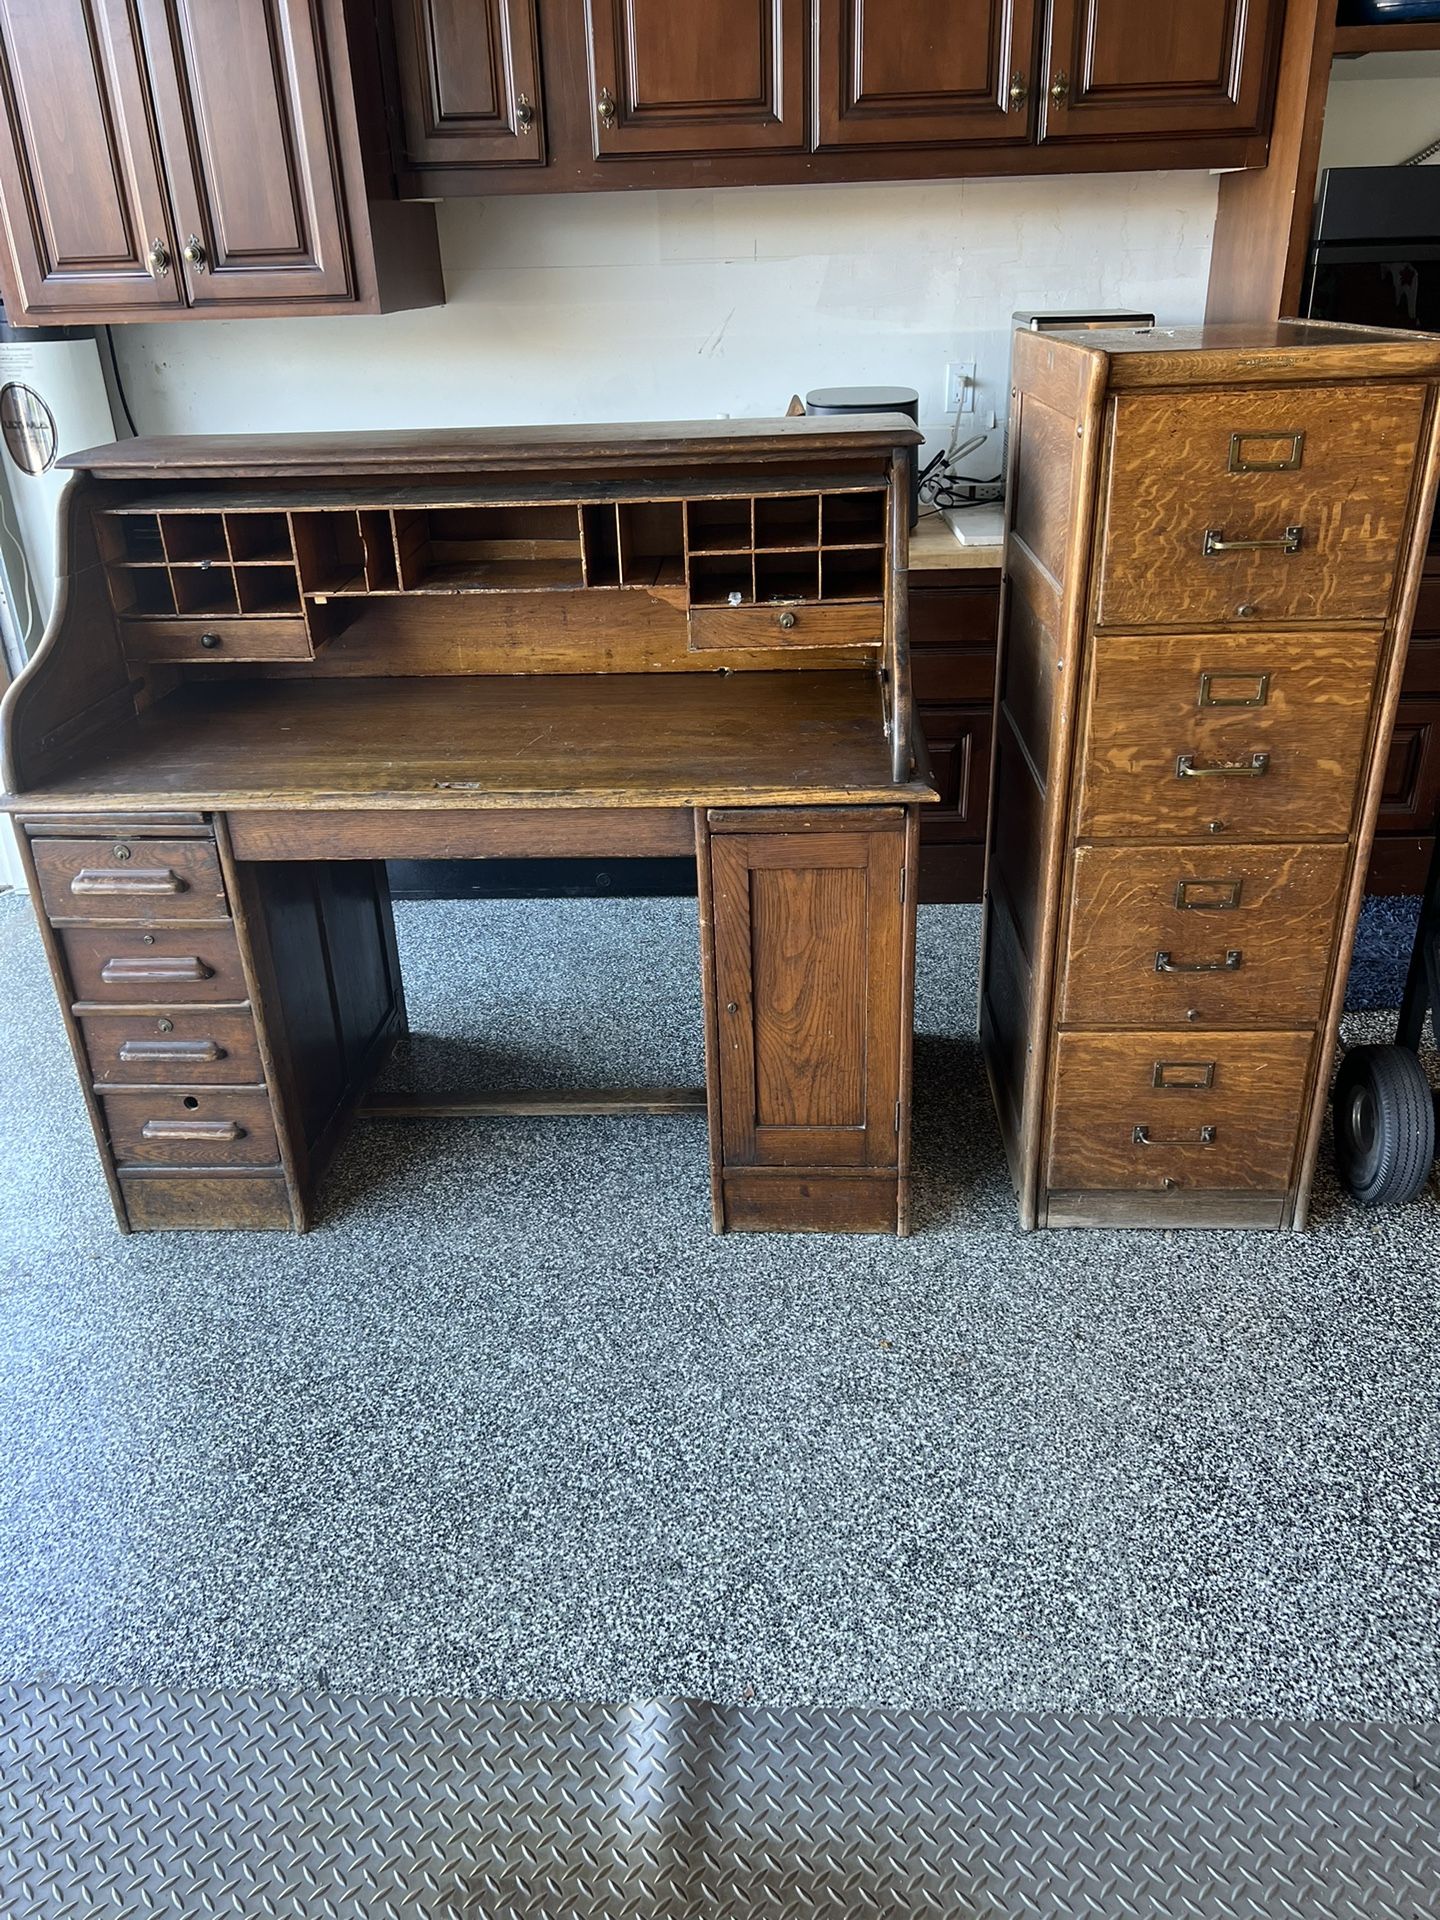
(897, 1116)
(902, 886)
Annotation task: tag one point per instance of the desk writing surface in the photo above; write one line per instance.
(528, 740)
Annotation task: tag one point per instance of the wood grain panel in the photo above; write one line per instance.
(1274, 909)
(204, 1127)
(1145, 713)
(1104, 1089)
(470, 82)
(1125, 69)
(143, 880)
(1042, 466)
(1170, 481)
(808, 944)
(122, 966)
(182, 1046)
(927, 73)
(206, 1202)
(558, 833)
(79, 176)
(705, 78)
(250, 153)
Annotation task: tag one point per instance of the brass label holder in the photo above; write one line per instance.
(1218, 678)
(1288, 462)
(1228, 890)
(1183, 1076)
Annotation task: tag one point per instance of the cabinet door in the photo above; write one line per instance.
(243, 102)
(702, 77)
(470, 82)
(925, 73)
(808, 933)
(1118, 68)
(84, 206)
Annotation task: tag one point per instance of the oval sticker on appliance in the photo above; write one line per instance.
(28, 427)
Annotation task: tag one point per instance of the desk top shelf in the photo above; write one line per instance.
(611, 740)
(253, 615)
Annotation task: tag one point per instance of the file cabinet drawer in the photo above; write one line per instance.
(1241, 736)
(1200, 934)
(1287, 504)
(1155, 1111)
(122, 966)
(185, 1047)
(135, 880)
(220, 1127)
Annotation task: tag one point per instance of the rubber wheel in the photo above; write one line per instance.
(1384, 1125)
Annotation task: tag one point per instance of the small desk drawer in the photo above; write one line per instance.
(1149, 1112)
(185, 1047)
(1299, 493)
(1205, 934)
(218, 639)
(135, 880)
(223, 1127)
(1241, 736)
(714, 629)
(121, 966)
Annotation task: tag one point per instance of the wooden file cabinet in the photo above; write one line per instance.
(1214, 549)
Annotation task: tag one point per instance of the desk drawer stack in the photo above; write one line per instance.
(1212, 560)
(148, 957)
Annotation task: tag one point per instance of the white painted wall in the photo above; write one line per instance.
(695, 304)
(1381, 109)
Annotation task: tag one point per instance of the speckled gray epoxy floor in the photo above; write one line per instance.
(512, 1422)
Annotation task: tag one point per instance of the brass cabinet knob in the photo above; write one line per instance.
(524, 114)
(1019, 92)
(605, 107)
(787, 620)
(1060, 88)
(158, 260)
(194, 252)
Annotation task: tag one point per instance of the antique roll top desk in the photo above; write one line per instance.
(1214, 546)
(276, 662)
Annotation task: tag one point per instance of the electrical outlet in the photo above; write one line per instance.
(960, 387)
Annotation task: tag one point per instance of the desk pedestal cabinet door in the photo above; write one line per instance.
(1199, 672)
(811, 931)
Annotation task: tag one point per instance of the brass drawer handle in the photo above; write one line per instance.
(1060, 88)
(122, 969)
(1165, 963)
(187, 1051)
(224, 1131)
(1202, 1137)
(1187, 767)
(134, 880)
(1289, 542)
(605, 108)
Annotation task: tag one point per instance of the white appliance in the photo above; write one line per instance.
(53, 401)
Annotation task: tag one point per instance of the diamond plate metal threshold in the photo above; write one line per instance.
(323, 1807)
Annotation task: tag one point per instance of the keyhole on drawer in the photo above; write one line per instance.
(147, 939)
(191, 1102)
(121, 853)
(165, 1026)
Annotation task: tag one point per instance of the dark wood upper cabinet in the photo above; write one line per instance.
(254, 173)
(702, 77)
(470, 83)
(1135, 69)
(86, 217)
(925, 73)
(170, 158)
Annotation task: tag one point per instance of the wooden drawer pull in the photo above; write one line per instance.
(1288, 542)
(134, 880)
(222, 1131)
(1187, 767)
(182, 1050)
(1166, 963)
(1202, 1137)
(127, 969)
